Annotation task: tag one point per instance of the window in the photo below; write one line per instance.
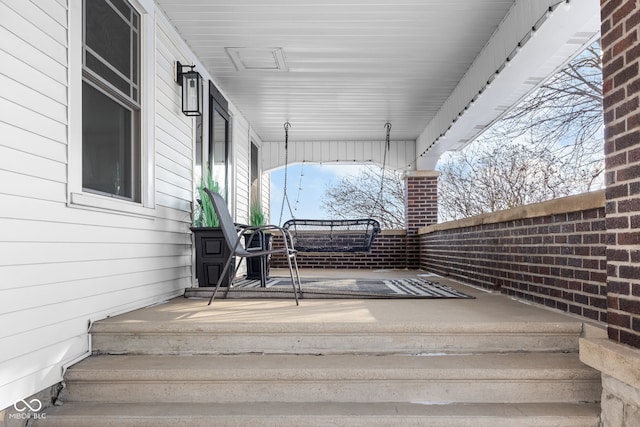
(218, 150)
(111, 129)
(219, 139)
(198, 140)
(255, 195)
(199, 154)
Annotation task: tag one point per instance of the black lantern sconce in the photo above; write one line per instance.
(191, 82)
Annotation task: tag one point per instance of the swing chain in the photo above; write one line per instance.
(285, 197)
(287, 125)
(388, 127)
(379, 200)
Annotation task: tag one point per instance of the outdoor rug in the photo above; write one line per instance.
(343, 288)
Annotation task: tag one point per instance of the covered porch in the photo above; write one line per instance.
(81, 262)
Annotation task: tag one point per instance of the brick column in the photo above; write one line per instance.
(621, 87)
(421, 209)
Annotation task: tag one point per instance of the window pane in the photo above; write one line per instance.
(108, 35)
(109, 153)
(255, 174)
(123, 7)
(134, 46)
(198, 154)
(218, 150)
(109, 75)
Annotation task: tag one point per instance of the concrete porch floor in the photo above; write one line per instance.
(485, 309)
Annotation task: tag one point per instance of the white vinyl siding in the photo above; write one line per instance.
(68, 258)
(174, 131)
(36, 334)
(398, 156)
(241, 161)
(64, 267)
(266, 201)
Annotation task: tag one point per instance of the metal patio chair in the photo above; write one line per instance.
(233, 234)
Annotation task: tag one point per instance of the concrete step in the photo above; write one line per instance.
(279, 414)
(485, 378)
(199, 337)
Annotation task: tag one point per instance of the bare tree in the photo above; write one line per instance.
(357, 196)
(548, 146)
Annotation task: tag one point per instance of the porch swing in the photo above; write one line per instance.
(332, 235)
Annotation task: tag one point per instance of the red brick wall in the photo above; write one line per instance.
(421, 209)
(389, 251)
(421, 204)
(621, 53)
(557, 260)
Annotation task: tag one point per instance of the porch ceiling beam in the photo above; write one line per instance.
(399, 155)
(549, 33)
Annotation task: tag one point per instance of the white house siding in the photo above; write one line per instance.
(63, 266)
(400, 155)
(266, 200)
(174, 130)
(242, 165)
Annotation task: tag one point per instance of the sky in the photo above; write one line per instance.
(306, 184)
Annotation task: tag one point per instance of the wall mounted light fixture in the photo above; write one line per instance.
(191, 82)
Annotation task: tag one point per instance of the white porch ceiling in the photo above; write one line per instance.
(338, 70)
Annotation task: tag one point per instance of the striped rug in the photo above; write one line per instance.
(345, 288)
(424, 287)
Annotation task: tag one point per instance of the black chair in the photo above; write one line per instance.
(233, 234)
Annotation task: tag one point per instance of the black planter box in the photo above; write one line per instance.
(212, 252)
(260, 240)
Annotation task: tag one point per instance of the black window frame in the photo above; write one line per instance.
(101, 78)
(218, 104)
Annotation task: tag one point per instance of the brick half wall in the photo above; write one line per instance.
(551, 253)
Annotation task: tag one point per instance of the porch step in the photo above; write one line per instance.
(193, 337)
(478, 378)
(353, 365)
(278, 414)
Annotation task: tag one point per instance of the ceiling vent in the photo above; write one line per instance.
(257, 59)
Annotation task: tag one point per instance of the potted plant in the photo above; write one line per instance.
(211, 247)
(204, 213)
(260, 240)
(256, 215)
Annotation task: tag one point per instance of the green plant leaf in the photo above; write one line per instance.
(205, 214)
(256, 215)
